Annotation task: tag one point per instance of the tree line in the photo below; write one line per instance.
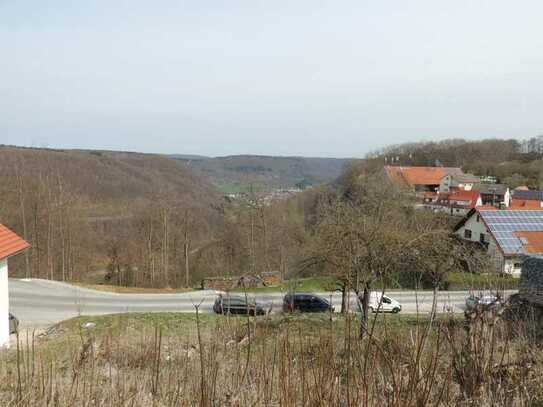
(504, 159)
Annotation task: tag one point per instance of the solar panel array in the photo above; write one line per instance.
(504, 223)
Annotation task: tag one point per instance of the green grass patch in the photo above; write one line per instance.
(310, 284)
(469, 281)
(168, 321)
(179, 324)
(453, 281)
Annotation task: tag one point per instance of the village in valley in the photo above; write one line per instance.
(508, 223)
(271, 203)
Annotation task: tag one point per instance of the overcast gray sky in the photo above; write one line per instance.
(297, 77)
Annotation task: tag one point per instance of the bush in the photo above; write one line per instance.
(470, 281)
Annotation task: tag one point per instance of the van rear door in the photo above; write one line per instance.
(386, 304)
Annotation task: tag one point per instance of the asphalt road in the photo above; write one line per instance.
(38, 303)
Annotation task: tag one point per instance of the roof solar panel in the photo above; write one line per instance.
(528, 195)
(503, 224)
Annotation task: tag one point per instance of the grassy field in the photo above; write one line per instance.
(289, 360)
(454, 281)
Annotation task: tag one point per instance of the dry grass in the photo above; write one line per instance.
(186, 360)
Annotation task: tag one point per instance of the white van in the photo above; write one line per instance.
(382, 303)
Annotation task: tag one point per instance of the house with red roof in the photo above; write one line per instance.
(450, 190)
(10, 245)
(457, 202)
(527, 199)
(460, 202)
(509, 235)
(430, 179)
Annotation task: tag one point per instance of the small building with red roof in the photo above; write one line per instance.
(457, 202)
(461, 202)
(526, 204)
(527, 199)
(10, 245)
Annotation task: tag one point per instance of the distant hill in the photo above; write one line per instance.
(237, 173)
(105, 179)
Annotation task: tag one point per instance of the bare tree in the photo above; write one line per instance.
(364, 235)
(186, 248)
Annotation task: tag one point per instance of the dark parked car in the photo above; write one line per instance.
(305, 303)
(13, 323)
(237, 305)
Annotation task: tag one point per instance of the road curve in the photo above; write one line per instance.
(42, 302)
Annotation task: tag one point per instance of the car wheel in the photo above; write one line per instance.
(396, 310)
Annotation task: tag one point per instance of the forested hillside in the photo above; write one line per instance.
(235, 173)
(136, 220)
(501, 158)
(86, 211)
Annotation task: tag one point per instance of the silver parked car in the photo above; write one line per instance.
(486, 302)
(13, 323)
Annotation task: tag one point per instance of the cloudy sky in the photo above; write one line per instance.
(297, 77)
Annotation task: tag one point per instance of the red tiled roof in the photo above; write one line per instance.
(411, 176)
(525, 204)
(465, 195)
(532, 242)
(10, 243)
(461, 198)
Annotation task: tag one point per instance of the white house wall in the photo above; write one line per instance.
(512, 266)
(507, 198)
(4, 303)
(476, 228)
(457, 211)
(501, 264)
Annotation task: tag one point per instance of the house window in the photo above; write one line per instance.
(482, 237)
(478, 218)
(517, 266)
(467, 234)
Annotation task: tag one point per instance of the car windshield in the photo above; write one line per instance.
(235, 301)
